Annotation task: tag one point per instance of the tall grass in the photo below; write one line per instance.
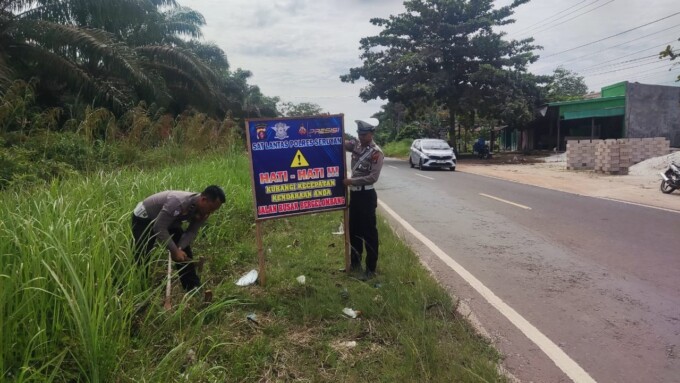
(68, 290)
(75, 309)
(398, 148)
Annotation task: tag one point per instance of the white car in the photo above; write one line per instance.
(432, 153)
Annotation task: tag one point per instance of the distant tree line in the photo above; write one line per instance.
(98, 81)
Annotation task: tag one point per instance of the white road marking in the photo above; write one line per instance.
(419, 175)
(578, 194)
(639, 204)
(393, 167)
(559, 357)
(505, 201)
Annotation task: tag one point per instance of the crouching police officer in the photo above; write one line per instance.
(159, 219)
(367, 161)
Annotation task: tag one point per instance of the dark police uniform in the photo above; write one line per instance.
(367, 162)
(159, 218)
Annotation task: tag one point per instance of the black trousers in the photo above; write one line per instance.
(363, 231)
(144, 242)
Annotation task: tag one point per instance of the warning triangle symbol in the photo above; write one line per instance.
(299, 161)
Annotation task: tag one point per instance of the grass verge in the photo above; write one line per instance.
(399, 149)
(75, 309)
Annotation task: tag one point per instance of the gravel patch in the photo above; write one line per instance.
(654, 165)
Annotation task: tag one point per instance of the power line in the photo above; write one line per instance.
(620, 69)
(635, 77)
(647, 58)
(652, 58)
(548, 18)
(577, 16)
(615, 35)
(624, 56)
(543, 24)
(624, 43)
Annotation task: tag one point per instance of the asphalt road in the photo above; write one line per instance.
(596, 281)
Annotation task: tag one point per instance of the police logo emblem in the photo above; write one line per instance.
(261, 132)
(281, 130)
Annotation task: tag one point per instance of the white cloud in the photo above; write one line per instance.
(297, 49)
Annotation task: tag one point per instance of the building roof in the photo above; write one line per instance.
(590, 108)
(587, 101)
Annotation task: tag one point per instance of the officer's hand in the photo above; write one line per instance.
(347, 182)
(179, 256)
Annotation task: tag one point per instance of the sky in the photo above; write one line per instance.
(298, 49)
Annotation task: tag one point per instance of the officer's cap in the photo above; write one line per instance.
(364, 127)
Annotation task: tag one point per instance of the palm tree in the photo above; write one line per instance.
(67, 57)
(114, 53)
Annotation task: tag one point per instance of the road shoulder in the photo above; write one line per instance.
(643, 190)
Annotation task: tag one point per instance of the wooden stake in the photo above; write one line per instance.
(347, 243)
(260, 252)
(168, 286)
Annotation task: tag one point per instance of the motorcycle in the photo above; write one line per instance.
(482, 149)
(670, 179)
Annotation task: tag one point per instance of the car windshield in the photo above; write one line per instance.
(436, 145)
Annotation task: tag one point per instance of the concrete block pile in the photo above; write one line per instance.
(581, 154)
(613, 156)
(608, 157)
(645, 148)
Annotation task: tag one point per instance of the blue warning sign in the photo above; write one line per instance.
(298, 165)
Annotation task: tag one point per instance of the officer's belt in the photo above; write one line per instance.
(362, 187)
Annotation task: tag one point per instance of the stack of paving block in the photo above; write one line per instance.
(608, 157)
(625, 155)
(581, 154)
(645, 148)
(613, 156)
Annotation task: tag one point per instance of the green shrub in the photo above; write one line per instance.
(398, 148)
(411, 131)
(66, 147)
(20, 166)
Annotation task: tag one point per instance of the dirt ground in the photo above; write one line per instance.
(637, 189)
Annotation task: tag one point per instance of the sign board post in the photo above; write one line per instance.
(297, 167)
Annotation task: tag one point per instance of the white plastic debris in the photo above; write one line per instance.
(351, 313)
(341, 230)
(191, 356)
(248, 279)
(349, 344)
(301, 279)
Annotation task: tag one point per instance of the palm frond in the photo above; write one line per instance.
(49, 65)
(209, 53)
(183, 85)
(183, 21)
(53, 11)
(88, 46)
(113, 16)
(181, 58)
(17, 6)
(6, 75)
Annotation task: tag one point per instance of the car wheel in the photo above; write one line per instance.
(420, 164)
(452, 168)
(410, 162)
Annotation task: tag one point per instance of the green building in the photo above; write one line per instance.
(622, 110)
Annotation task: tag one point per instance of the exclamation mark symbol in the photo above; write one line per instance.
(299, 160)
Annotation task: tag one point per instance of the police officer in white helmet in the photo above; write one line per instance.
(367, 161)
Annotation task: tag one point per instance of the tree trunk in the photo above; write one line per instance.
(452, 128)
